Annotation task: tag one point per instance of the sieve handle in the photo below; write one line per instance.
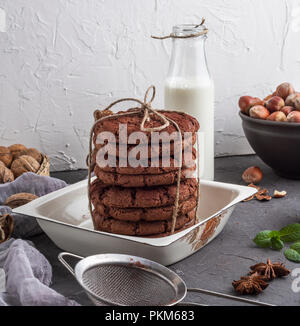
(231, 297)
(64, 262)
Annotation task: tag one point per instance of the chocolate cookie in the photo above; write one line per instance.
(147, 214)
(142, 228)
(141, 197)
(165, 234)
(142, 180)
(185, 122)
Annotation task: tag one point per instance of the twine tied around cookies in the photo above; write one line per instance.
(172, 35)
(145, 109)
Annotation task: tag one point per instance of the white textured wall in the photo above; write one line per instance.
(60, 59)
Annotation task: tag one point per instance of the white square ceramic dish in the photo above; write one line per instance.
(64, 217)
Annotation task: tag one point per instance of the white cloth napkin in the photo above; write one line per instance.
(28, 276)
(27, 272)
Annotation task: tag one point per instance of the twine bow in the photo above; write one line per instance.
(145, 109)
(172, 35)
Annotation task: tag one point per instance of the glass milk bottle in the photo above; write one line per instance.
(189, 88)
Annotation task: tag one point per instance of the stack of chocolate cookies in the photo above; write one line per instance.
(139, 201)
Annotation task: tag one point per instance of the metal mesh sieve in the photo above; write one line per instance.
(128, 285)
(127, 280)
(124, 280)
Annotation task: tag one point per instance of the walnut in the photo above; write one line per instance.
(5, 156)
(6, 227)
(33, 152)
(15, 149)
(5, 174)
(24, 164)
(19, 199)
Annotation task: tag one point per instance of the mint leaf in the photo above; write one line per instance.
(275, 234)
(263, 239)
(296, 246)
(290, 233)
(276, 243)
(292, 255)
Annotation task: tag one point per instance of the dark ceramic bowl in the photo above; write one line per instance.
(276, 143)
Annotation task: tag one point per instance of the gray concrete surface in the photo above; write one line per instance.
(227, 257)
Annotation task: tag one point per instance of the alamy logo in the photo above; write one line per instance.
(296, 281)
(295, 22)
(160, 149)
(2, 21)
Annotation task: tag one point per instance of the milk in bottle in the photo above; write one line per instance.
(189, 88)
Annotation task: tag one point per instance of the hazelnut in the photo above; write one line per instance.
(287, 110)
(252, 175)
(5, 156)
(5, 174)
(279, 194)
(297, 103)
(259, 112)
(33, 152)
(268, 97)
(284, 90)
(246, 102)
(277, 116)
(24, 164)
(16, 148)
(275, 103)
(294, 116)
(290, 100)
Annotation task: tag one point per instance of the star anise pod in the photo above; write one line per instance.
(270, 270)
(252, 284)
